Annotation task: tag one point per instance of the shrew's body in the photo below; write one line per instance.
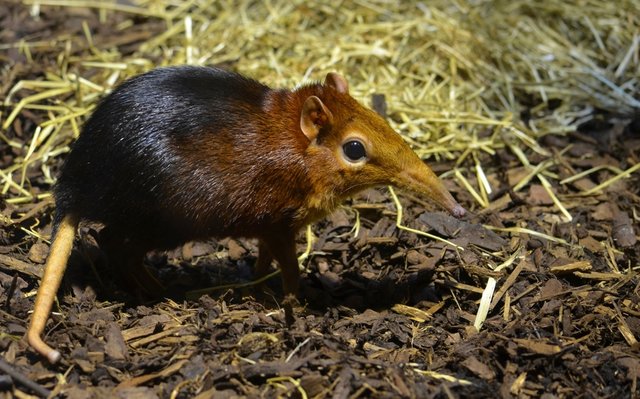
(187, 153)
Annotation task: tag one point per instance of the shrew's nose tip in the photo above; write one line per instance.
(458, 211)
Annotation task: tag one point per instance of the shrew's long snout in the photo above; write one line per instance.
(420, 178)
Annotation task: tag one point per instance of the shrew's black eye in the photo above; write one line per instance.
(354, 150)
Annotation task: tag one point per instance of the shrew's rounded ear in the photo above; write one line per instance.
(314, 116)
(337, 81)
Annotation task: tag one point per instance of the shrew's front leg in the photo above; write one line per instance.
(283, 248)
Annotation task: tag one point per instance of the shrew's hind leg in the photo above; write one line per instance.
(263, 263)
(126, 258)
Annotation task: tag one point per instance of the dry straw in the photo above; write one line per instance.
(457, 75)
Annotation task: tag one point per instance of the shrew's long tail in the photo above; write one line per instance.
(53, 273)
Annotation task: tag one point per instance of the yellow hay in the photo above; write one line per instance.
(456, 76)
